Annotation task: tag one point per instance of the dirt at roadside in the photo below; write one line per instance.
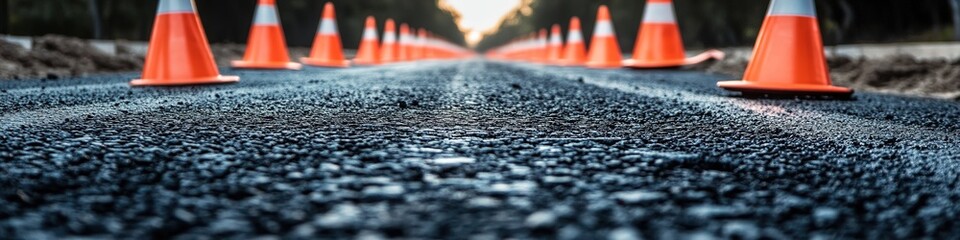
(904, 74)
(54, 57)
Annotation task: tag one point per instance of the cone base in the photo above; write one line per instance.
(266, 65)
(185, 82)
(701, 58)
(784, 89)
(604, 65)
(633, 63)
(365, 62)
(566, 64)
(325, 63)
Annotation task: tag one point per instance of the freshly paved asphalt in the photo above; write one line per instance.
(470, 149)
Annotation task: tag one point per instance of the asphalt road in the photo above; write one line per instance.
(470, 149)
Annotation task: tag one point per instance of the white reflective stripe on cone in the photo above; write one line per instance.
(370, 34)
(659, 13)
(266, 15)
(390, 37)
(603, 29)
(328, 26)
(176, 6)
(555, 39)
(575, 36)
(803, 8)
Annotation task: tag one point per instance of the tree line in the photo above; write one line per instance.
(722, 23)
(704, 23)
(225, 21)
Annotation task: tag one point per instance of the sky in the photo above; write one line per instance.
(479, 16)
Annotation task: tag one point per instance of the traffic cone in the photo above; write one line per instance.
(575, 52)
(403, 49)
(543, 45)
(412, 45)
(178, 52)
(369, 51)
(389, 49)
(327, 49)
(659, 44)
(266, 48)
(520, 53)
(555, 47)
(789, 56)
(426, 44)
(432, 52)
(420, 49)
(604, 49)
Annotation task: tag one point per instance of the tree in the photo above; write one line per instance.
(712, 23)
(95, 19)
(224, 21)
(4, 20)
(955, 8)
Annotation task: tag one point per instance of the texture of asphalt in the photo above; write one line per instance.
(470, 149)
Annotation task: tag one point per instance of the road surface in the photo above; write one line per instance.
(470, 149)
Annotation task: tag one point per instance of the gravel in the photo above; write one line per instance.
(491, 150)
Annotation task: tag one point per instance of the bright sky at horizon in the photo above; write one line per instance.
(479, 16)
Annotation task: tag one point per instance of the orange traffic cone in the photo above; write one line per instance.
(604, 49)
(327, 49)
(542, 47)
(412, 45)
(789, 56)
(404, 48)
(659, 44)
(575, 53)
(178, 52)
(420, 45)
(527, 46)
(267, 48)
(369, 52)
(431, 52)
(555, 47)
(427, 43)
(389, 49)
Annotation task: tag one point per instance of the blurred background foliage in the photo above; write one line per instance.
(722, 23)
(704, 23)
(225, 21)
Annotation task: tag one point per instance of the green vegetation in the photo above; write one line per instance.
(224, 21)
(720, 23)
